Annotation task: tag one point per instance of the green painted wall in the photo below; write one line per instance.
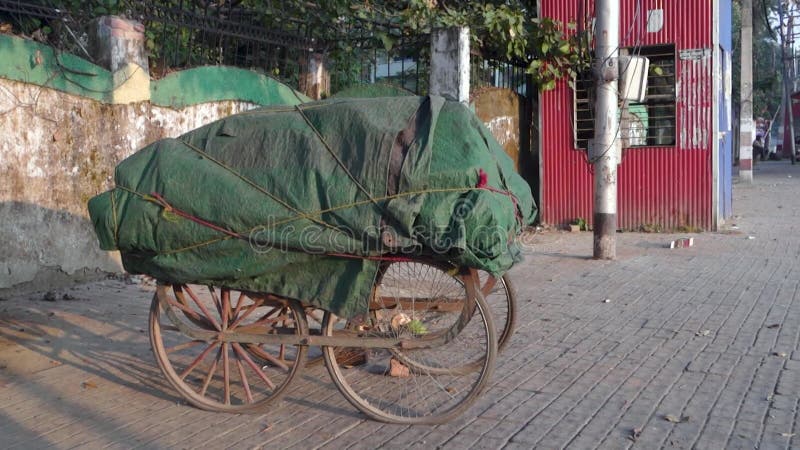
(212, 83)
(31, 62)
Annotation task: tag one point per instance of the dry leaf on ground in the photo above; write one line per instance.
(676, 419)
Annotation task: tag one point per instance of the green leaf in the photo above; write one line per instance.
(416, 327)
(387, 40)
(170, 216)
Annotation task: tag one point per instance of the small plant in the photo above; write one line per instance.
(650, 228)
(687, 229)
(416, 327)
(581, 223)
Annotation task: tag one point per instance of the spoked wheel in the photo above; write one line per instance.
(221, 374)
(380, 383)
(441, 300)
(314, 318)
(501, 296)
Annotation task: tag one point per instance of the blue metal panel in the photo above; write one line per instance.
(725, 110)
(726, 24)
(725, 140)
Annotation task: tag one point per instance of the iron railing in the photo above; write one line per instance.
(189, 33)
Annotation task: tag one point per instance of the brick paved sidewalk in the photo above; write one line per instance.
(706, 335)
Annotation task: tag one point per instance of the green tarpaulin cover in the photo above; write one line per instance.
(289, 200)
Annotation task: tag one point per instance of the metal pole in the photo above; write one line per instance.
(787, 81)
(604, 151)
(746, 95)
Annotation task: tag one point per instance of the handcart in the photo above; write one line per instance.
(422, 354)
(383, 216)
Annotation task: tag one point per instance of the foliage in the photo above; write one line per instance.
(506, 30)
(581, 223)
(767, 67)
(416, 327)
(44, 31)
(500, 29)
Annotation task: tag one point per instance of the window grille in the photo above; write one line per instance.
(647, 124)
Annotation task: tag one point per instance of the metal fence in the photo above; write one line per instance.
(197, 33)
(180, 35)
(189, 33)
(406, 65)
(47, 23)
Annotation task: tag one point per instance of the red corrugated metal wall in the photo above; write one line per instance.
(668, 187)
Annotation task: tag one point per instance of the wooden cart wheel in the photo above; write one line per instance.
(501, 296)
(314, 318)
(222, 375)
(441, 301)
(379, 384)
(499, 293)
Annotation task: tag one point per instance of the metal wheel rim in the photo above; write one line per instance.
(378, 413)
(199, 397)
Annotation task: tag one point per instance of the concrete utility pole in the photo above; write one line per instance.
(604, 152)
(746, 99)
(449, 75)
(786, 74)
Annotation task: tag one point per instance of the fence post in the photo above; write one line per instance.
(315, 80)
(450, 63)
(118, 45)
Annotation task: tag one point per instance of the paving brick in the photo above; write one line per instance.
(745, 435)
(703, 362)
(489, 443)
(563, 431)
(507, 427)
(715, 434)
(775, 437)
(461, 441)
(725, 364)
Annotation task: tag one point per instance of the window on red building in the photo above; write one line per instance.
(647, 124)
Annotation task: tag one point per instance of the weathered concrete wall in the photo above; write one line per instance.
(58, 150)
(500, 110)
(67, 123)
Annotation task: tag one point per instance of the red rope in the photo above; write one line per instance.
(169, 208)
(160, 200)
(483, 183)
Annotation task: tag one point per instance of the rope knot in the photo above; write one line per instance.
(483, 179)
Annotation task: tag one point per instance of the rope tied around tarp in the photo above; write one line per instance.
(336, 158)
(300, 213)
(483, 183)
(161, 201)
(169, 209)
